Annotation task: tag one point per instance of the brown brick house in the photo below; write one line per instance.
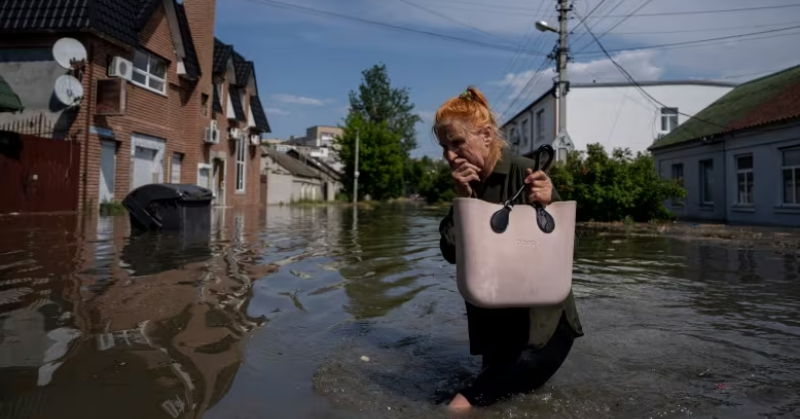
(150, 93)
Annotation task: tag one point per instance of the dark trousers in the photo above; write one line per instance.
(507, 374)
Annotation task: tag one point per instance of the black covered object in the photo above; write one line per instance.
(170, 207)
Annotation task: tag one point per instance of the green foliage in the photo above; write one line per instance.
(112, 208)
(616, 187)
(383, 117)
(431, 179)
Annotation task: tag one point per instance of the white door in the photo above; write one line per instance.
(147, 160)
(108, 163)
(144, 162)
(203, 176)
(175, 169)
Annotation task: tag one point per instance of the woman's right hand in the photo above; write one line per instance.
(463, 174)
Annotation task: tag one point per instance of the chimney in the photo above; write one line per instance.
(201, 15)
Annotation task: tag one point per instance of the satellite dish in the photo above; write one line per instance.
(67, 49)
(68, 90)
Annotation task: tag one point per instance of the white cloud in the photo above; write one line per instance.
(427, 116)
(299, 100)
(276, 111)
(514, 86)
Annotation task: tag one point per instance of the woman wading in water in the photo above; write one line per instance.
(521, 348)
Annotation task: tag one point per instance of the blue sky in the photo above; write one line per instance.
(307, 63)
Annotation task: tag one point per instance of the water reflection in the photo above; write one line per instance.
(305, 312)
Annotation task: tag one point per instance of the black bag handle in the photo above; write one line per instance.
(499, 220)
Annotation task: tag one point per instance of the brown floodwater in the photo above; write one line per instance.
(320, 312)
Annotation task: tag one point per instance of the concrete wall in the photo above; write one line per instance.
(615, 116)
(765, 145)
(279, 188)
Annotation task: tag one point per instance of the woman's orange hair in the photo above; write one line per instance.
(472, 110)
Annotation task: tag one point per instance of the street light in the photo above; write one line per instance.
(542, 26)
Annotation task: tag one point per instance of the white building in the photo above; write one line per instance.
(739, 158)
(616, 115)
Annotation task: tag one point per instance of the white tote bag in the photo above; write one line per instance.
(514, 255)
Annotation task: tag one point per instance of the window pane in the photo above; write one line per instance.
(788, 187)
(664, 123)
(158, 68)
(791, 157)
(157, 85)
(673, 122)
(140, 61)
(796, 186)
(749, 187)
(744, 162)
(139, 77)
(740, 182)
(708, 181)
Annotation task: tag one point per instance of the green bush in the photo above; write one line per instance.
(619, 187)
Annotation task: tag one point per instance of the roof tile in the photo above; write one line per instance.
(766, 100)
(262, 123)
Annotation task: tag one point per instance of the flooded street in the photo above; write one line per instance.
(317, 312)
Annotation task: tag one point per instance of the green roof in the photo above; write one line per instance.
(9, 101)
(768, 99)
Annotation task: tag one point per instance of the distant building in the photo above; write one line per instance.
(739, 158)
(616, 115)
(293, 176)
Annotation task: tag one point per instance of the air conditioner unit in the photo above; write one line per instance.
(234, 133)
(255, 139)
(212, 133)
(121, 68)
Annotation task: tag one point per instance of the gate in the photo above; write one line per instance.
(38, 174)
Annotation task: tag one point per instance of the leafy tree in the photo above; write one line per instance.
(383, 116)
(615, 187)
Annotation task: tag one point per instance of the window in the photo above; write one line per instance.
(539, 126)
(512, 135)
(791, 176)
(175, 168)
(677, 176)
(669, 119)
(149, 72)
(526, 132)
(241, 150)
(204, 104)
(744, 179)
(707, 182)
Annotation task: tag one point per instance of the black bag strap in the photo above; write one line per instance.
(499, 220)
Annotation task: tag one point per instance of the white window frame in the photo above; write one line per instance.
(706, 182)
(538, 119)
(511, 134)
(148, 75)
(241, 164)
(680, 179)
(795, 178)
(669, 114)
(748, 193)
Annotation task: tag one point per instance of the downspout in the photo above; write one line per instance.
(85, 177)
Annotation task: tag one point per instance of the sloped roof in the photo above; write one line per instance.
(234, 95)
(770, 99)
(242, 67)
(294, 166)
(222, 52)
(9, 101)
(262, 124)
(190, 62)
(119, 19)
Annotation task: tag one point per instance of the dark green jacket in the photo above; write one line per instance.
(510, 329)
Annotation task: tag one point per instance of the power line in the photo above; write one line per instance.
(728, 28)
(456, 21)
(697, 41)
(311, 10)
(628, 16)
(701, 12)
(636, 84)
(575, 41)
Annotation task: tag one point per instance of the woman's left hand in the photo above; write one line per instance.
(540, 188)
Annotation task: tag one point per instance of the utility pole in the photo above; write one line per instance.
(355, 173)
(562, 142)
(561, 61)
